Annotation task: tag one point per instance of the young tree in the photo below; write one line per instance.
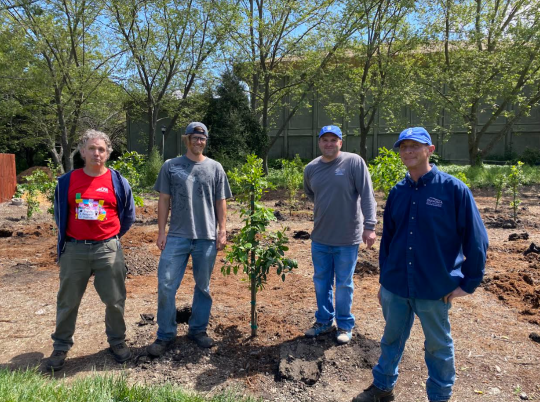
(487, 67)
(170, 43)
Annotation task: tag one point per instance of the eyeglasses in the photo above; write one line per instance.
(198, 139)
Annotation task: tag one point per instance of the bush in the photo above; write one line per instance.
(152, 168)
(386, 170)
(131, 165)
(531, 156)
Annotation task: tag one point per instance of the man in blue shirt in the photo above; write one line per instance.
(433, 249)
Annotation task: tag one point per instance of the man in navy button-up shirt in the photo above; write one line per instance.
(433, 249)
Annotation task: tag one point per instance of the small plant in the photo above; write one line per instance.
(515, 180)
(131, 165)
(461, 176)
(294, 177)
(152, 168)
(255, 250)
(500, 184)
(386, 170)
(38, 183)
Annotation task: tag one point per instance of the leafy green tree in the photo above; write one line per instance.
(256, 250)
(484, 70)
(170, 43)
(72, 62)
(370, 76)
(234, 129)
(283, 47)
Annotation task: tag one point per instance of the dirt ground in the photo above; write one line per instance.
(497, 352)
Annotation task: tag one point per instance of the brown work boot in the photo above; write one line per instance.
(374, 394)
(57, 360)
(121, 352)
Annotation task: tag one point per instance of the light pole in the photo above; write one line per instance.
(163, 129)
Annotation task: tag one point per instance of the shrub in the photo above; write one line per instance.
(294, 177)
(531, 156)
(386, 170)
(131, 165)
(515, 181)
(152, 168)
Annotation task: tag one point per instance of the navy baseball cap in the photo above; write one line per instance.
(418, 134)
(331, 129)
(196, 128)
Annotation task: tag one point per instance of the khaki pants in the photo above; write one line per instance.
(78, 262)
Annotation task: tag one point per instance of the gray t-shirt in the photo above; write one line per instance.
(194, 188)
(342, 193)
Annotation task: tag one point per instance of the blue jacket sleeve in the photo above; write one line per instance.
(474, 243)
(129, 209)
(389, 229)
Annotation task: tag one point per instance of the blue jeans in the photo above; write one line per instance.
(439, 347)
(171, 269)
(329, 263)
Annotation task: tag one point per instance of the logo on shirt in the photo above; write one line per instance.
(103, 190)
(434, 202)
(339, 172)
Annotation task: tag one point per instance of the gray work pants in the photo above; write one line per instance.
(77, 263)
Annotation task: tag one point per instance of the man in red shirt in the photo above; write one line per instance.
(93, 208)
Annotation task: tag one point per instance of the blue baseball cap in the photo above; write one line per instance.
(196, 128)
(418, 134)
(331, 129)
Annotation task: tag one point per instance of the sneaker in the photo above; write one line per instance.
(319, 329)
(374, 394)
(201, 339)
(159, 347)
(121, 352)
(343, 336)
(57, 360)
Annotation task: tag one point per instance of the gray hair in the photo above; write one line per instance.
(92, 135)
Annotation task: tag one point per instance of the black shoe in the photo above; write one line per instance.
(121, 352)
(201, 339)
(159, 347)
(57, 360)
(374, 394)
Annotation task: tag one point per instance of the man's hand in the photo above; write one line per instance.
(379, 296)
(221, 239)
(457, 292)
(369, 237)
(161, 241)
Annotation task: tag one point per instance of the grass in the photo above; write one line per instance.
(31, 385)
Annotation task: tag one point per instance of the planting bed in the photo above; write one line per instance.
(497, 357)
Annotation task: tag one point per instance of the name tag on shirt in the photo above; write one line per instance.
(90, 210)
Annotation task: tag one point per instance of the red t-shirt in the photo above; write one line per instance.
(92, 207)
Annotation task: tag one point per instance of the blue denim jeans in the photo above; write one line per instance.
(171, 269)
(439, 347)
(334, 263)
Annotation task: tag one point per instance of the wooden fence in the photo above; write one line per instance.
(8, 177)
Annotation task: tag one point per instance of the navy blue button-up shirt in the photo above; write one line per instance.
(433, 238)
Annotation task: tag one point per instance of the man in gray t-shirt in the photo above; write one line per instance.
(195, 189)
(340, 187)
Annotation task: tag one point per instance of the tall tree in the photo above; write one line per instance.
(487, 68)
(283, 47)
(234, 129)
(371, 75)
(72, 65)
(169, 43)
